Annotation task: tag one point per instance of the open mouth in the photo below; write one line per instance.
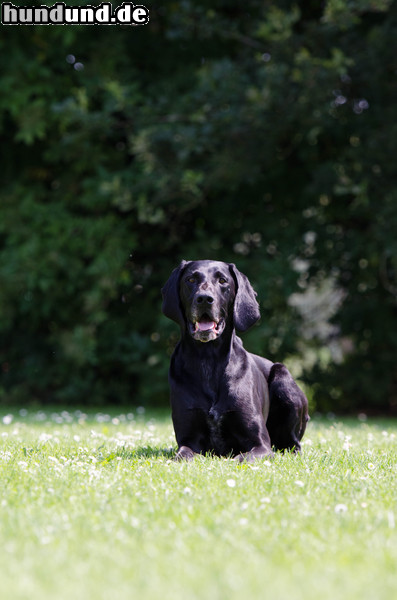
(205, 324)
(206, 328)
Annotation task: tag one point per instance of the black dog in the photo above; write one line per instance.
(224, 399)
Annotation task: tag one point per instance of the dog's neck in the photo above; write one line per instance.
(215, 350)
(208, 362)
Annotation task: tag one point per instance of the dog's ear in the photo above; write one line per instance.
(246, 308)
(171, 302)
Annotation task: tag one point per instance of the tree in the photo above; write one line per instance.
(258, 133)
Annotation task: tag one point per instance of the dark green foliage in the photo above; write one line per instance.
(259, 133)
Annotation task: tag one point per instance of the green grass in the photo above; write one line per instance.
(94, 508)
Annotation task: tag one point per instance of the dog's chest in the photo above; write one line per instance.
(218, 432)
(209, 379)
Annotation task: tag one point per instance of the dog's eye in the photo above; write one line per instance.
(222, 280)
(191, 279)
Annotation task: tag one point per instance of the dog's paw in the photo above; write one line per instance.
(254, 454)
(184, 453)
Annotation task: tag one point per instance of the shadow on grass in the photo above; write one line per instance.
(147, 452)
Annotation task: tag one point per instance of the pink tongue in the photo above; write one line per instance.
(206, 325)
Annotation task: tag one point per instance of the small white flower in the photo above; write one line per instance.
(371, 466)
(7, 420)
(299, 483)
(231, 483)
(187, 491)
(45, 540)
(340, 508)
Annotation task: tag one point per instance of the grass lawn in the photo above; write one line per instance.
(92, 507)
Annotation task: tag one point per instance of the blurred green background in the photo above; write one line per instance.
(259, 133)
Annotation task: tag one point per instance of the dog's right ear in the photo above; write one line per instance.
(171, 302)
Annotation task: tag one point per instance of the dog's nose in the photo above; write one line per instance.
(204, 299)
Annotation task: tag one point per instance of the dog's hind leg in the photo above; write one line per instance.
(288, 413)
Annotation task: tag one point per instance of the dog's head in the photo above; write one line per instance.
(205, 296)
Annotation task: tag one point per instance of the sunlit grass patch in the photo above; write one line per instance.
(93, 506)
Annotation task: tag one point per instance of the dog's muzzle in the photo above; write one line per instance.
(206, 328)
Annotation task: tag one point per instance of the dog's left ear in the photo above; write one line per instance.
(246, 308)
(171, 302)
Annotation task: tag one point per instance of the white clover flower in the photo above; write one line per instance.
(340, 508)
(231, 483)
